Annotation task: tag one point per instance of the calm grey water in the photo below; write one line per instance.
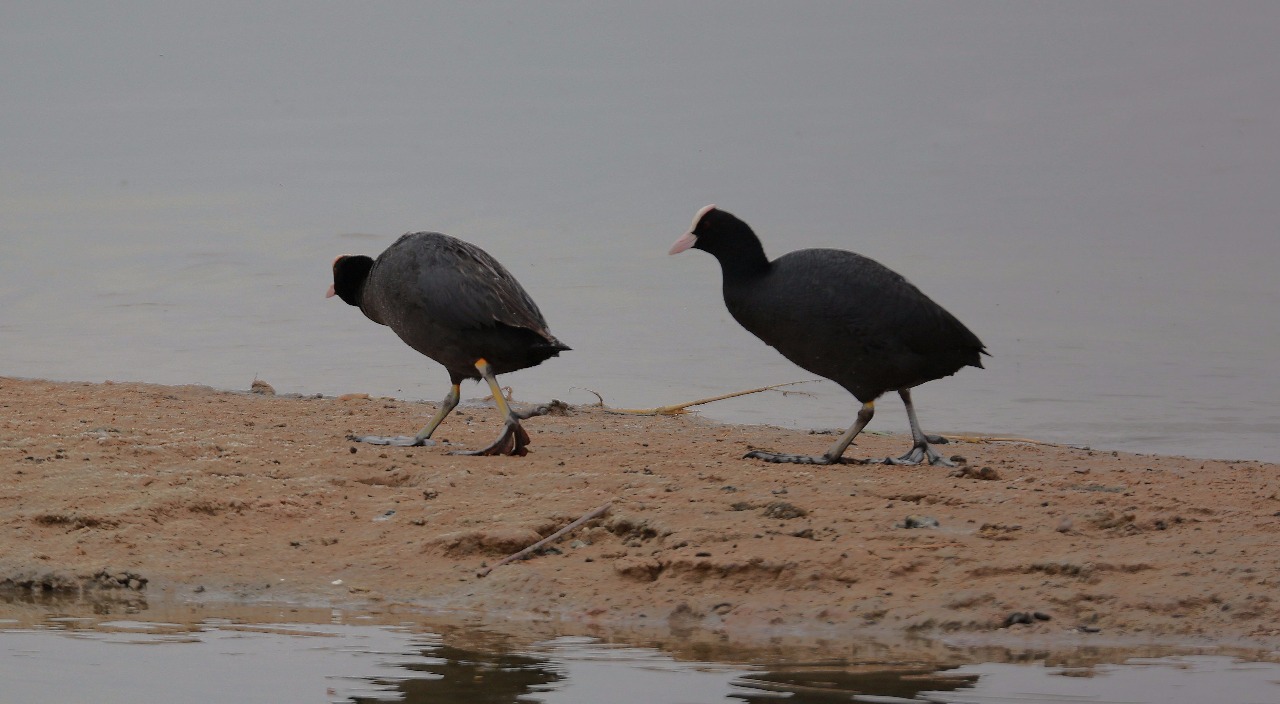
(348, 660)
(1091, 187)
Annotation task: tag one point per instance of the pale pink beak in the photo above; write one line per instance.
(683, 243)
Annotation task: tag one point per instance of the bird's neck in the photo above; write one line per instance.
(744, 260)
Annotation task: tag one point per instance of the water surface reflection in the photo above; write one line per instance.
(286, 654)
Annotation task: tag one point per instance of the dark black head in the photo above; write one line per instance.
(349, 274)
(726, 237)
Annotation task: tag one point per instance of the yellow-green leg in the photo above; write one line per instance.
(513, 440)
(446, 407)
(424, 436)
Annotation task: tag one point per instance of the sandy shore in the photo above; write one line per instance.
(189, 493)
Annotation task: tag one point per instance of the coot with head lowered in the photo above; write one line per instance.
(453, 302)
(842, 316)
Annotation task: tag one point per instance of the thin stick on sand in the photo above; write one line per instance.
(979, 439)
(599, 398)
(523, 554)
(678, 408)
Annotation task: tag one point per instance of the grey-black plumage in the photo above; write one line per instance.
(455, 303)
(842, 316)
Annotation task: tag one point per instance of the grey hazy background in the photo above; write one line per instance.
(1093, 187)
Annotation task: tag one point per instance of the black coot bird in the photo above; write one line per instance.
(842, 316)
(451, 301)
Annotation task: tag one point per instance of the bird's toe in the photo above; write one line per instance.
(393, 440)
(919, 454)
(512, 442)
(781, 458)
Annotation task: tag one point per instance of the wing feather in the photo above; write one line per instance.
(453, 283)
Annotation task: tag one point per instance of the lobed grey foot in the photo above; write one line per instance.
(514, 441)
(919, 453)
(781, 457)
(394, 440)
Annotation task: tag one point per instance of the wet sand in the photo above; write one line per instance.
(193, 495)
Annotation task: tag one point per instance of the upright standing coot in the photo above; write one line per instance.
(451, 301)
(842, 316)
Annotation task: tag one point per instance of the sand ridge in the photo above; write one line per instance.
(198, 493)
